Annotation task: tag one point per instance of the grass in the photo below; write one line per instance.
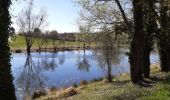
(19, 43)
(161, 91)
(120, 89)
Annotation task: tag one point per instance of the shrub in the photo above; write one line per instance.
(68, 92)
(75, 85)
(52, 89)
(18, 51)
(37, 94)
(83, 82)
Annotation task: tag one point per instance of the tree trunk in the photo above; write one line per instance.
(163, 58)
(39, 49)
(150, 30)
(84, 45)
(164, 36)
(7, 91)
(108, 53)
(28, 50)
(109, 73)
(55, 49)
(146, 67)
(137, 44)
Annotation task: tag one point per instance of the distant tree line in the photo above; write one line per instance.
(63, 36)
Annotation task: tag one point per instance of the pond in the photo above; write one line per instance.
(40, 71)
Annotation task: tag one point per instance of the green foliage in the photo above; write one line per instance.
(7, 91)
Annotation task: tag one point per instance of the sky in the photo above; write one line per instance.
(62, 14)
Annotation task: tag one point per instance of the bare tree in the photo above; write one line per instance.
(85, 31)
(109, 53)
(28, 22)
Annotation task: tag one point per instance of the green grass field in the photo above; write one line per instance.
(19, 43)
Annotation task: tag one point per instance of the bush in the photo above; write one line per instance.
(52, 89)
(18, 51)
(83, 82)
(68, 92)
(75, 85)
(38, 94)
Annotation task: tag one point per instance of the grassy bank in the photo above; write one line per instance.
(120, 89)
(19, 43)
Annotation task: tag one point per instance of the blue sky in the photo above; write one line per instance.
(61, 13)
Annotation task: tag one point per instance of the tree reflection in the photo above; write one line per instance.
(83, 64)
(61, 59)
(50, 63)
(30, 79)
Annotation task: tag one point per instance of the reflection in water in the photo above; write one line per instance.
(30, 79)
(83, 64)
(46, 68)
(51, 63)
(62, 59)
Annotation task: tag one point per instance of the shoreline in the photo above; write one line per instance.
(52, 49)
(117, 89)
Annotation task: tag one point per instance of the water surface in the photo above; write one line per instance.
(40, 71)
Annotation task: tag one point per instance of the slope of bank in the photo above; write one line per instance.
(120, 89)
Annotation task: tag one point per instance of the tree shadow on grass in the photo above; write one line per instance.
(134, 93)
(156, 79)
(167, 79)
